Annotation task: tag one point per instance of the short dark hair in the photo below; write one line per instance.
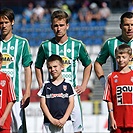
(60, 14)
(124, 48)
(126, 15)
(1, 56)
(54, 57)
(8, 13)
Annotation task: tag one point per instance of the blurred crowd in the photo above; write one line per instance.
(86, 10)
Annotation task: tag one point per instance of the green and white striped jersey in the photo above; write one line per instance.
(108, 49)
(16, 53)
(71, 51)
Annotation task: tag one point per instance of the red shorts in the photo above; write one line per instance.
(123, 130)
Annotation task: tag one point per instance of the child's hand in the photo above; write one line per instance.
(113, 125)
(55, 122)
(62, 122)
(2, 121)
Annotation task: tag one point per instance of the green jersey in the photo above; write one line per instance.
(71, 51)
(16, 53)
(108, 49)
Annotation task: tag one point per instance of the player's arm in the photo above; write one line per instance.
(6, 113)
(100, 60)
(110, 110)
(39, 76)
(86, 62)
(40, 59)
(68, 111)
(47, 113)
(86, 76)
(28, 79)
(99, 72)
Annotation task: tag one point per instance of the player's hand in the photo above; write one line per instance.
(79, 89)
(25, 101)
(40, 86)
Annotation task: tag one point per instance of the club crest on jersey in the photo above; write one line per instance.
(12, 47)
(68, 50)
(131, 79)
(7, 59)
(66, 61)
(2, 83)
(64, 87)
(116, 80)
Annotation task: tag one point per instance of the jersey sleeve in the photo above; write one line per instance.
(71, 90)
(10, 89)
(84, 56)
(107, 91)
(103, 54)
(26, 55)
(40, 57)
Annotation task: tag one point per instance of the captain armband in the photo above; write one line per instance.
(110, 110)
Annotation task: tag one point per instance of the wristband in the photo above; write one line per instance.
(110, 110)
(102, 81)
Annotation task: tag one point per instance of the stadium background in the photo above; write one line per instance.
(93, 34)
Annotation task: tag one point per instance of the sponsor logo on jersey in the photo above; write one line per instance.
(124, 95)
(4, 48)
(57, 95)
(66, 61)
(7, 59)
(48, 88)
(2, 83)
(116, 76)
(9, 72)
(61, 51)
(67, 75)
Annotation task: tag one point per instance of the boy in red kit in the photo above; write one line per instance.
(7, 99)
(118, 92)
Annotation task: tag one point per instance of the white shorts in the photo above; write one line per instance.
(76, 115)
(18, 119)
(50, 128)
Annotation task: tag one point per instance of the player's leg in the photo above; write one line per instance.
(18, 119)
(77, 115)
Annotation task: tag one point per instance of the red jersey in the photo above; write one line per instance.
(119, 91)
(7, 95)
